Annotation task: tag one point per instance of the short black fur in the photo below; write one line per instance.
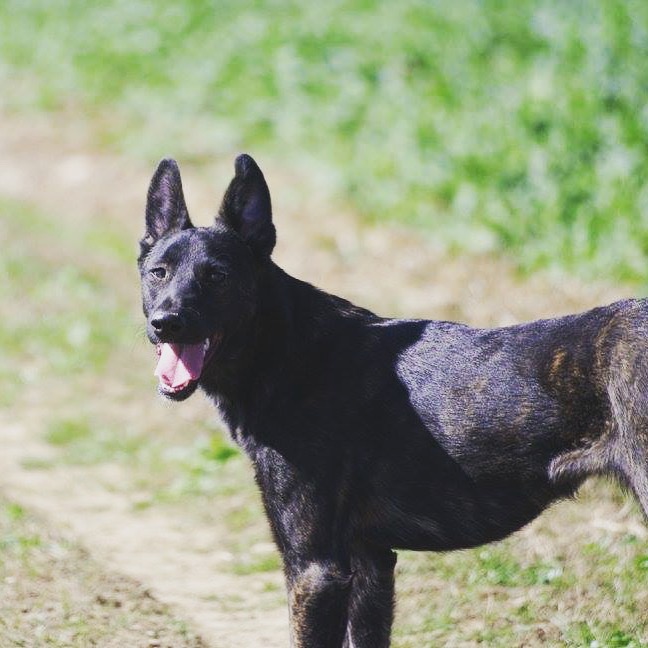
(370, 434)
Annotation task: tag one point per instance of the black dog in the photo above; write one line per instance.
(370, 434)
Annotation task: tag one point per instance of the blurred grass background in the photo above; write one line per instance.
(499, 127)
(495, 125)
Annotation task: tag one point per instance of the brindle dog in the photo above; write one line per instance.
(370, 434)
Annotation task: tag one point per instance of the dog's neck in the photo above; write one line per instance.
(290, 318)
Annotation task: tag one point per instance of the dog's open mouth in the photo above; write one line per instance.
(180, 366)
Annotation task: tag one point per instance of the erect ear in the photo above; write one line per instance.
(246, 207)
(166, 211)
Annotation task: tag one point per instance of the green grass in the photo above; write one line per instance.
(270, 562)
(65, 327)
(494, 125)
(592, 595)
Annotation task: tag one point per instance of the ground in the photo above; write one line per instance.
(130, 522)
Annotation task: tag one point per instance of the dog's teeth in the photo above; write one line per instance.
(206, 345)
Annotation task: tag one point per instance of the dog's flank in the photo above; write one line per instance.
(370, 434)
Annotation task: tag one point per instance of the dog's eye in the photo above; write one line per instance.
(158, 273)
(216, 276)
(213, 274)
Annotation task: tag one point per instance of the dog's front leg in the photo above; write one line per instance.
(318, 593)
(371, 604)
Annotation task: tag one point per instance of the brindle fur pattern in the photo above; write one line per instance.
(370, 434)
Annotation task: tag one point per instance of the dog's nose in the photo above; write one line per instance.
(167, 324)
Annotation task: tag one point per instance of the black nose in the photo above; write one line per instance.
(167, 324)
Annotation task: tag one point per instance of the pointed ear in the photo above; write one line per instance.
(246, 207)
(166, 211)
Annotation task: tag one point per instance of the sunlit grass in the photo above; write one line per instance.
(501, 595)
(517, 126)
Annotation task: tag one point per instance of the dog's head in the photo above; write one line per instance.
(199, 284)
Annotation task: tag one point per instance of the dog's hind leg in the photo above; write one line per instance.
(631, 464)
(638, 481)
(628, 393)
(620, 449)
(371, 606)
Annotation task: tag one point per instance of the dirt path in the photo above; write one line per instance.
(181, 566)
(53, 593)
(53, 166)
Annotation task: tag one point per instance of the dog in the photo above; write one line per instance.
(370, 434)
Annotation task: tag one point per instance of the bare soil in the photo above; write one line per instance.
(178, 560)
(52, 592)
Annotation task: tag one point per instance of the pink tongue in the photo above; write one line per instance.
(180, 363)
